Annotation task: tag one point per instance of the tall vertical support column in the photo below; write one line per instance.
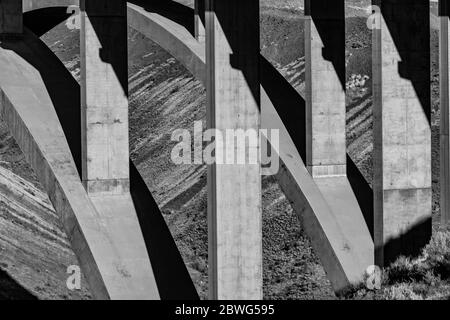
(325, 87)
(121, 254)
(402, 135)
(105, 96)
(234, 190)
(326, 147)
(11, 17)
(444, 72)
(199, 9)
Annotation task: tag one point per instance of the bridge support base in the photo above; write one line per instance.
(234, 190)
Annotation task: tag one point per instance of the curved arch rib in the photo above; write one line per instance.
(110, 249)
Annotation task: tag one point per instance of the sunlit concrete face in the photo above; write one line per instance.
(105, 96)
(11, 21)
(234, 199)
(444, 72)
(402, 135)
(325, 83)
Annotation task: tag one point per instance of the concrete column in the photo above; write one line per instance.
(104, 84)
(200, 32)
(11, 18)
(325, 87)
(234, 190)
(444, 72)
(402, 135)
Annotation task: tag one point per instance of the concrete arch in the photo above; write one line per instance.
(344, 259)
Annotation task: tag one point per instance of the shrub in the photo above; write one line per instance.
(401, 292)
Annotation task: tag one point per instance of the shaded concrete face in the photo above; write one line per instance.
(325, 83)
(104, 96)
(11, 18)
(402, 135)
(234, 198)
(444, 13)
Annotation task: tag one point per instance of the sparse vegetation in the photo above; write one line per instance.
(423, 278)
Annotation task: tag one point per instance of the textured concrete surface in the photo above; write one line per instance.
(402, 134)
(325, 87)
(444, 72)
(234, 190)
(114, 268)
(104, 97)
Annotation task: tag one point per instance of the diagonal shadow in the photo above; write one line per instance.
(172, 277)
(171, 274)
(363, 193)
(41, 21)
(290, 105)
(409, 243)
(10, 289)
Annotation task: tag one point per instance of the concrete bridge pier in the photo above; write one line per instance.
(127, 272)
(326, 147)
(402, 135)
(444, 72)
(11, 22)
(234, 190)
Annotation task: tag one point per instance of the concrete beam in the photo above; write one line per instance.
(402, 135)
(234, 191)
(104, 96)
(444, 72)
(325, 87)
(11, 17)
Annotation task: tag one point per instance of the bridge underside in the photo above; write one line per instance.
(121, 240)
